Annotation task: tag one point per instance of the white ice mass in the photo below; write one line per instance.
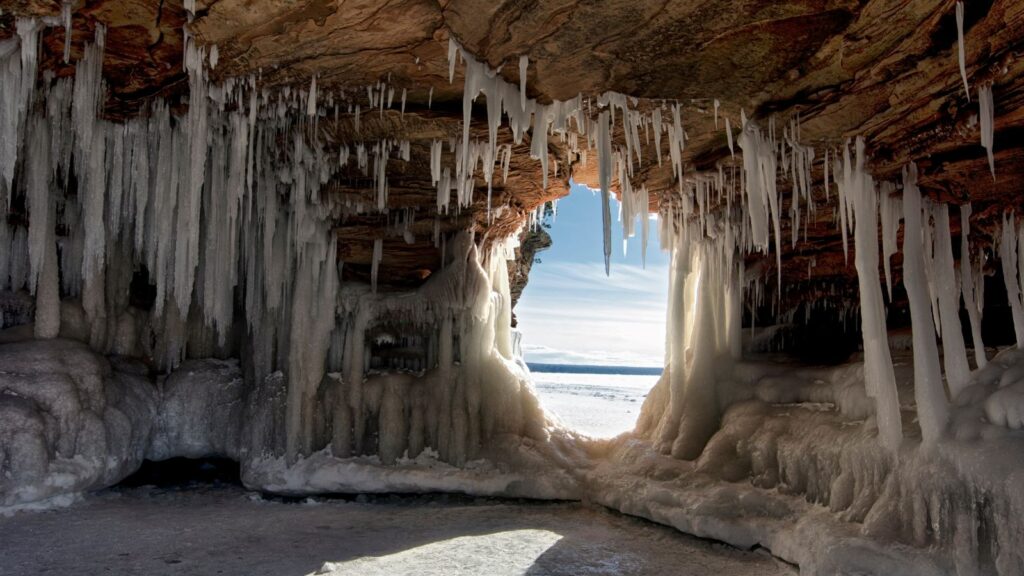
(259, 351)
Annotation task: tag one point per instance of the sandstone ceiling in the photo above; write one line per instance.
(882, 69)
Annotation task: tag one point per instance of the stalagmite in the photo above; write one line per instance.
(932, 409)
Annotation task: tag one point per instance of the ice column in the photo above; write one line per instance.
(1008, 257)
(43, 278)
(703, 331)
(954, 354)
(878, 371)
(932, 410)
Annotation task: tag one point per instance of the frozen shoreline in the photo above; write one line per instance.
(598, 405)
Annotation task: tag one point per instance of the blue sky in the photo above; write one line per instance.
(571, 313)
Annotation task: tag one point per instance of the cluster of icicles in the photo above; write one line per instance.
(707, 280)
(230, 194)
(229, 197)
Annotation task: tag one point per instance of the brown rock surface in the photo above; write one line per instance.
(883, 69)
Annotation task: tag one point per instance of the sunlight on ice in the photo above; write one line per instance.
(504, 553)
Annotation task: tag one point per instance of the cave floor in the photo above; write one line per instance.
(226, 530)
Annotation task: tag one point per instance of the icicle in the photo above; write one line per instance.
(645, 203)
(378, 255)
(961, 58)
(658, 128)
(1008, 253)
(430, 98)
(604, 150)
(311, 99)
(403, 102)
(524, 62)
(66, 17)
(716, 114)
(890, 212)
(435, 161)
(728, 136)
(968, 286)
(987, 116)
(214, 56)
(453, 50)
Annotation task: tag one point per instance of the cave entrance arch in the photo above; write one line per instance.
(594, 342)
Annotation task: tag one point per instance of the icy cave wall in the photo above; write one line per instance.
(214, 230)
(206, 234)
(912, 459)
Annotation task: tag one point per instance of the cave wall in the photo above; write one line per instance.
(283, 212)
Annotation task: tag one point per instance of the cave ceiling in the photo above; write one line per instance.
(882, 69)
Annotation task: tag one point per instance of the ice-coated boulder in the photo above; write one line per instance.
(68, 421)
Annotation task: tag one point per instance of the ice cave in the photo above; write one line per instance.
(288, 238)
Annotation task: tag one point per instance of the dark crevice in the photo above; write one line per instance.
(185, 473)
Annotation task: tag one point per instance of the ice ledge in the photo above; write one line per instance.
(516, 469)
(637, 481)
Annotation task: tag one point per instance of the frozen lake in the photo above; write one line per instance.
(600, 405)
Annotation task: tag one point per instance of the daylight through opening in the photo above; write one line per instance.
(594, 342)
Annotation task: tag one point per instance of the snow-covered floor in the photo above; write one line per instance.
(215, 530)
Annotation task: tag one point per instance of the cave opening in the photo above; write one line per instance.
(594, 342)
